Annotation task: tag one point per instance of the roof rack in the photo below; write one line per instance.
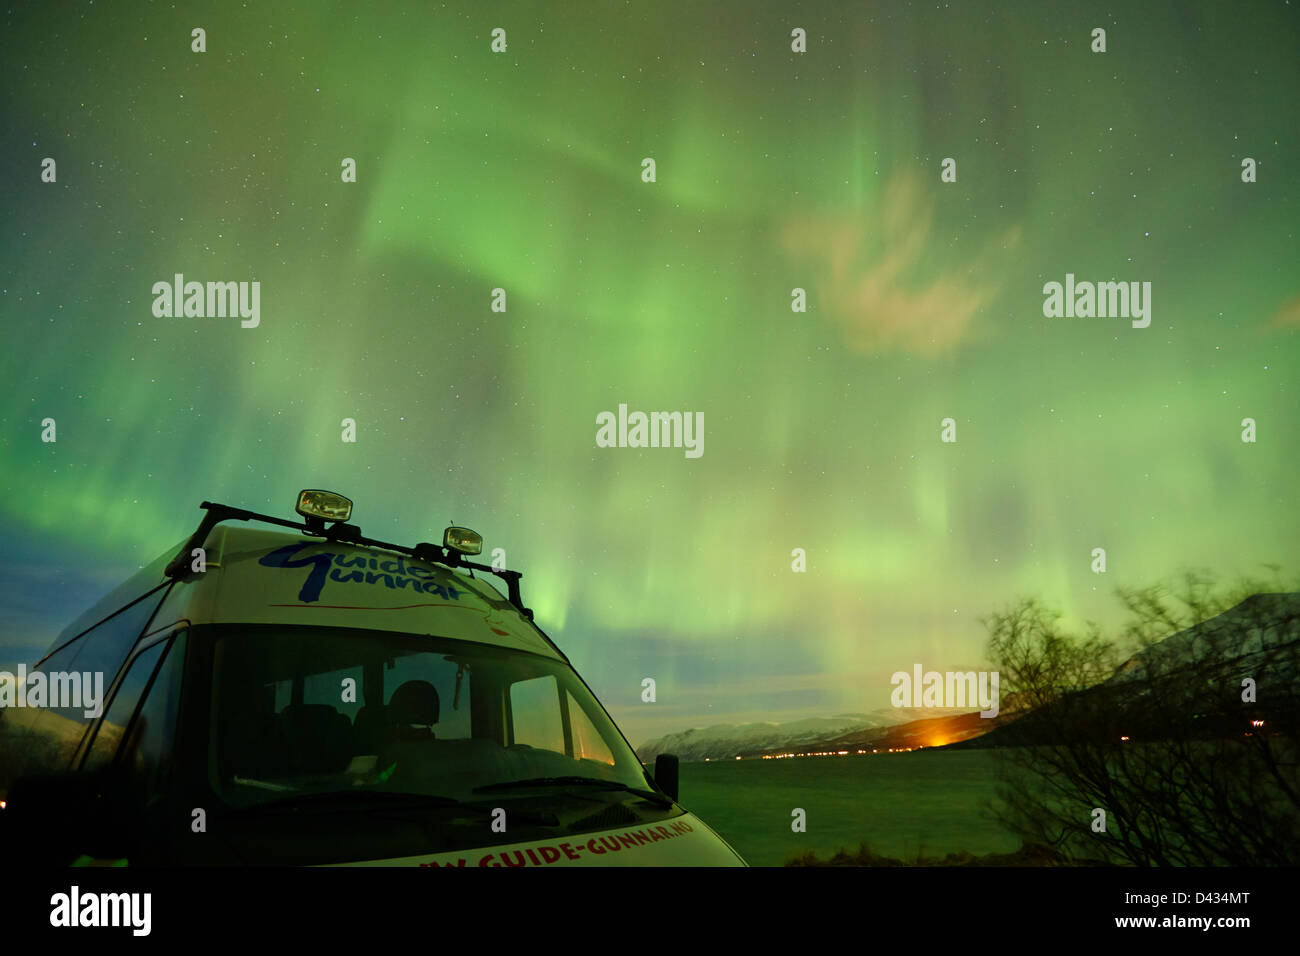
(344, 533)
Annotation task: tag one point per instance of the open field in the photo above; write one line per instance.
(927, 801)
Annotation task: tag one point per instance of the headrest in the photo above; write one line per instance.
(415, 702)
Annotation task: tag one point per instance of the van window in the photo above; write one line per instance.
(327, 688)
(535, 709)
(125, 701)
(104, 647)
(425, 762)
(40, 739)
(587, 744)
(47, 739)
(99, 653)
(281, 694)
(442, 717)
(146, 753)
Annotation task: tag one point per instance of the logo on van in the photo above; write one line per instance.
(392, 573)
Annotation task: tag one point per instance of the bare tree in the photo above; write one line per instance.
(1186, 739)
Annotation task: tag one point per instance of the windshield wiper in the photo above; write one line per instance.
(575, 782)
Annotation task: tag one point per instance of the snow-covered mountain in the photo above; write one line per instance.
(726, 741)
(1255, 629)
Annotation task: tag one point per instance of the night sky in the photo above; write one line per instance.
(775, 170)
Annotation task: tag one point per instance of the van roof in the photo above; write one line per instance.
(257, 576)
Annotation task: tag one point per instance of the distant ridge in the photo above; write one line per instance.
(728, 741)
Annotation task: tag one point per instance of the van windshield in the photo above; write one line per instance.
(302, 712)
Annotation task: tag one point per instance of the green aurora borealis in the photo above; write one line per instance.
(775, 170)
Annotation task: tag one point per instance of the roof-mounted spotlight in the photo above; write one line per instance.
(462, 540)
(325, 505)
(318, 506)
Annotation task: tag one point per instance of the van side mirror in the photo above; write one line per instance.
(666, 774)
